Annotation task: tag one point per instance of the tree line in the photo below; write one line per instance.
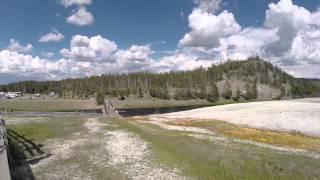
(200, 83)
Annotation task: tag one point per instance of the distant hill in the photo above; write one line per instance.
(253, 78)
(316, 81)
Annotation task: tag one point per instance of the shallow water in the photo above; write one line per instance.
(150, 111)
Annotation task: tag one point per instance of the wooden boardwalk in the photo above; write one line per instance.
(109, 109)
(4, 165)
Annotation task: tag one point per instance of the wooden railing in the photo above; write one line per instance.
(4, 165)
(109, 108)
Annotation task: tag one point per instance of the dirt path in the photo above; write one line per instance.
(129, 154)
(101, 145)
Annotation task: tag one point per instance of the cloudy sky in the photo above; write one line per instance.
(56, 39)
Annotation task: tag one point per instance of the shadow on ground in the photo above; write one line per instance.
(22, 153)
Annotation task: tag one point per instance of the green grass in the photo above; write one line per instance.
(48, 129)
(70, 105)
(204, 159)
(82, 164)
(197, 158)
(28, 139)
(63, 105)
(61, 129)
(134, 103)
(293, 140)
(159, 103)
(269, 137)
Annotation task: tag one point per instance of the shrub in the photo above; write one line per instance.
(99, 98)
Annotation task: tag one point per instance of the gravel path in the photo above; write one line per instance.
(301, 116)
(104, 145)
(131, 155)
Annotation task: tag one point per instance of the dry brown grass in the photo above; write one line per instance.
(284, 139)
(292, 140)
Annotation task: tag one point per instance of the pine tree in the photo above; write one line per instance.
(140, 91)
(152, 92)
(214, 93)
(238, 95)
(99, 98)
(116, 85)
(227, 92)
(189, 94)
(283, 92)
(254, 91)
(203, 92)
(248, 92)
(165, 93)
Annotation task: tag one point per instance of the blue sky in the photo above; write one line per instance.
(124, 21)
(153, 32)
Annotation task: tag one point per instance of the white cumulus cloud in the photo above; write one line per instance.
(54, 36)
(81, 17)
(208, 5)
(96, 48)
(288, 19)
(15, 46)
(180, 61)
(94, 55)
(289, 38)
(207, 28)
(136, 58)
(249, 42)
(67, 3)
(47, 54)
(136, 53)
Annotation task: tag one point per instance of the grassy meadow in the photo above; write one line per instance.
(214, 159)
(68, 105)
(194, 157)
(61, 105)
(128, 148)
(293, 139)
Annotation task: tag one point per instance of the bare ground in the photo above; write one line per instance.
(101, 145)
(300, 116)
(202, 133)
(104, 149)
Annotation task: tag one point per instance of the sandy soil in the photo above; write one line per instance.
(163, 123)
(301, 116)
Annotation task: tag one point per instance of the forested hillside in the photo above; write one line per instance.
(249, 79)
